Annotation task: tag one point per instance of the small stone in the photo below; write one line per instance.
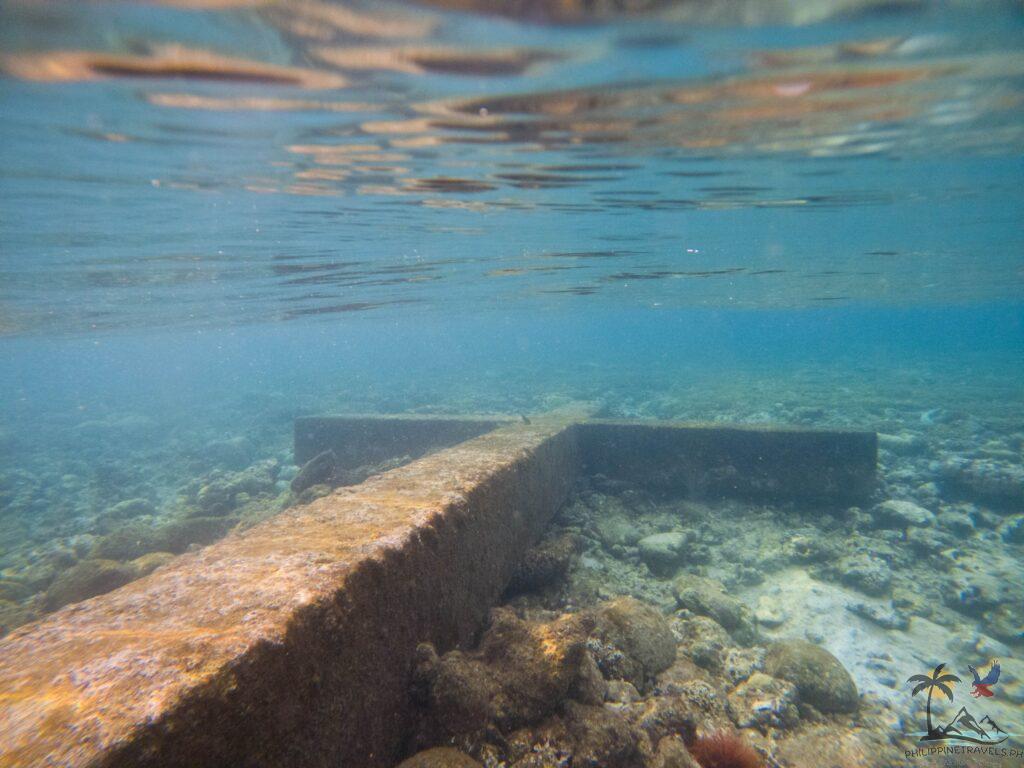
(885, 617)
(870, 575)
(904, 444)
(703, 640)
(1012, 530)
(764, 702)
(740, 663)
(956, 522)
(770, 611)
(622, 692)
(616, 530)
(899, 514)
(663, 552)
(707, 597)
(929, 541)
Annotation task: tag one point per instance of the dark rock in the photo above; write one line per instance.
(521, 673)
(601, 738)
(317, 471)
(87, 579)
(14, 590)
(544, 565)
(179, 535)
(128, 541)
(632, 641)
(819, 677)
(219, 493)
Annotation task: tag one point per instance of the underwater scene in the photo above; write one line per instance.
(512, 383)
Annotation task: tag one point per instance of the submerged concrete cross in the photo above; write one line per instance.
(291, 643)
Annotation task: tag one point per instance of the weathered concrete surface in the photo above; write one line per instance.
(359, 440)
(288, 644)
(711, 460)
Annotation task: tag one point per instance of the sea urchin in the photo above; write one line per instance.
(725, 749)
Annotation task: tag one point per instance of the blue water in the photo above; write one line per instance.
(811, 219)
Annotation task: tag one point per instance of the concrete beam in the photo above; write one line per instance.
(712, 461)
(289, 644)
(360, 440)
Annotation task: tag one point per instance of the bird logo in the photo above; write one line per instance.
(983, 684)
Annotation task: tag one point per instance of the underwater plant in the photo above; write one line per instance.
(725, 749)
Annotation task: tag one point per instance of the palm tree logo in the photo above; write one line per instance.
(935, 681)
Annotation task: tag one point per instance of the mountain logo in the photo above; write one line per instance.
(964, 726)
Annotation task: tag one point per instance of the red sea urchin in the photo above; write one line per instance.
(725, 749)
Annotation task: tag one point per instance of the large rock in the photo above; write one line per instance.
(819, 677)
(632, 641)
(707, 597)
